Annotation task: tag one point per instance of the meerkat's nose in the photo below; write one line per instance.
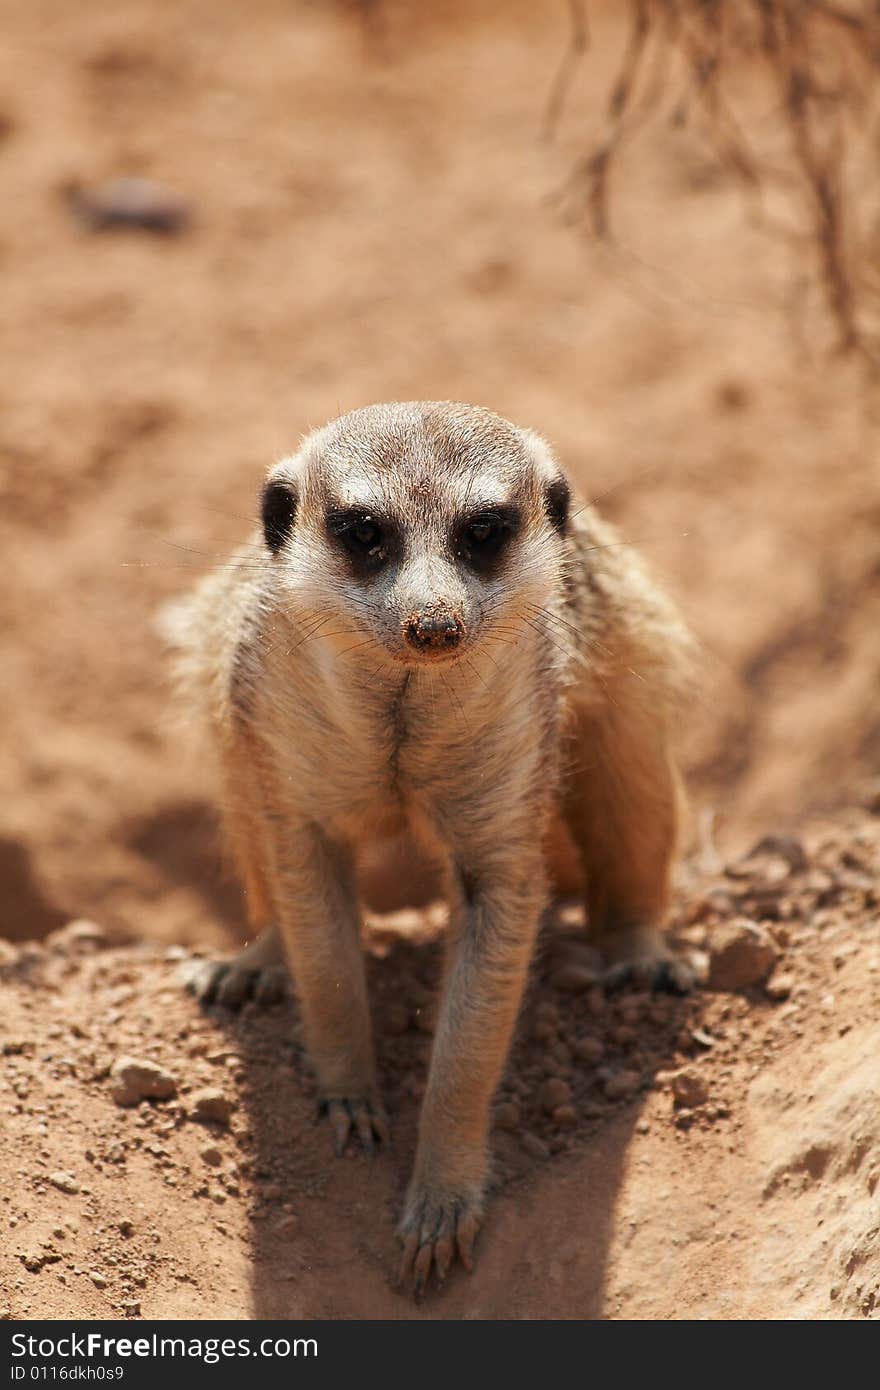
(433, 630)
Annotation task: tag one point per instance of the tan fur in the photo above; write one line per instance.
(332, 735)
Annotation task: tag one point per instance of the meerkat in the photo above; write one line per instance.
(429, 636)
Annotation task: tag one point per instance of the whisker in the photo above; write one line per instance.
(453, 695)
(641, 540)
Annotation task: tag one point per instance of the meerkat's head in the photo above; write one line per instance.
(423, 526)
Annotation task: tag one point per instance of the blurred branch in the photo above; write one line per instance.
(578, 43)
(820, 63)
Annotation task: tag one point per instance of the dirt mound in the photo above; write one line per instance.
(714, 1156)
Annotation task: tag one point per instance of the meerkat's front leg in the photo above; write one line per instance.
(319, 923)
(496, 907)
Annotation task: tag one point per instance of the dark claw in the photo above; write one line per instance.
(344, 1115)
(673, 976)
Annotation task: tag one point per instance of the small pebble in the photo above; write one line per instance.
(396, 1019)
(534, 1147)
(79, 937)
(138, 203)
(780, 985)
(596, 1003)
(210, 1106)
(548, 1012)
(689, 1089)
(555, 1092)
(588, 1049)
(507, 1116)
(740, 954)
(573, 978)
(621, 1084)
(65, 1182)
(136, 1079)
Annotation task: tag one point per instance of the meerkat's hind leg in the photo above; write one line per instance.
(257, 972)
(622, 804)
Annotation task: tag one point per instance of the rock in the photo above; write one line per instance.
(65, 1182)
(424, 1019)
(554, 1092)
(621, 1084)
(740, 954)
(34, 1257)
(142, 204)
(548, 1012)
(97, 1279)
(9, 957)
(135, 1079)
(212, 1156)
(573, 978)
(396, 1019)
(78, 937)
(689, 1089)
(534, 1147)
(780, 985)
(588, 1050)
(576, 967)
(565, 1116)
(507, 1116)
(782, 847)
(131, 1310)
(596, 1002)
(622, 1035)
(211, 1106)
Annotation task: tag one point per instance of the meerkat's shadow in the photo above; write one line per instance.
(26, 911)
(182, 840)
(323, 1229)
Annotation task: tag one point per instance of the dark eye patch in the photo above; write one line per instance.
(368, 540)
(278, 512)
(481, 538)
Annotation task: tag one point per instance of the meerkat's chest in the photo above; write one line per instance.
(367, 763)
(365, 767)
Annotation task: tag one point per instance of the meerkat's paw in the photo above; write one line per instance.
(642, 957)
(435, 1228)
(258, 972)
(365, 1118)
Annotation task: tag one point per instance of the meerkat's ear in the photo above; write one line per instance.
(557, 501)
(557, 493)
(278, 512)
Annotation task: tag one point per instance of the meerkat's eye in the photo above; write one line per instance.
(483, 530)
(278, 513)
(366, 539)
(366, 533)
(482, 538)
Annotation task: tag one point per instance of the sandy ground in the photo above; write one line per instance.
(373, 218)
(710, 1157)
